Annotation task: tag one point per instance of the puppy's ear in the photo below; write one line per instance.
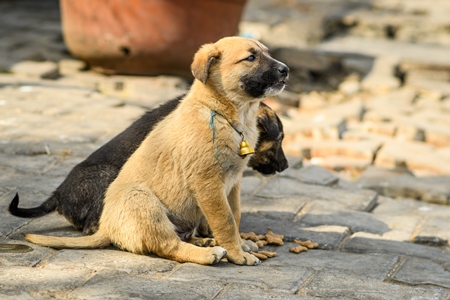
(203, 60)
(270, 126)
(268, 120)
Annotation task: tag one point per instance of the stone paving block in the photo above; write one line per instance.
(381, 78)
(304, 59)
(289, 205)
(34, 69)
(440, 86)
(363, 149)
(361, 242)
(287, 279)
(445, 104)
(70, 66)
(434, 133)
(399, 98)
(399, 25)
(408, 131)
(425, 105)
(408, 52)
(381, 114)
(335, 285)
(417, 157)
(339, 163)
(312, 175)
(401, 227)
(346, 185)
(401, 220)
(145, 91)
(322, 260)
(399, 101)
(9, 222)
(352, 110)
(443, 153)
(250, 184)
(31, 188)
(435, 231)
(322, 213)
(35, 165)
(403, 206)
(51, 224)
(114, 259)
(328, 237)
(37, 283)
(237, 291)
(295, 162)
(437, 135)
(350, 86)
(381, 128)
(415, 221)
(361, 200)
(318, 127)
(108, 284)
(13, 259)
(64, 166)
(297, 145)
(312, 101)
(27, 147)
(417, 271)
(397, 183)
(434, 115)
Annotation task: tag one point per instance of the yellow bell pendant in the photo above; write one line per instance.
(245, 149)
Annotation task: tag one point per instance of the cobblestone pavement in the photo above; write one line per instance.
(367, 129)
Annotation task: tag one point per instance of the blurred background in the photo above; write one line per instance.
(369, 83)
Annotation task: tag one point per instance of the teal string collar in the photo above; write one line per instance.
(245, 148)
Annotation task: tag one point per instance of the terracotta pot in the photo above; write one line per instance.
(145, 37)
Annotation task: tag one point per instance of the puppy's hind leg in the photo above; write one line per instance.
(143, 227)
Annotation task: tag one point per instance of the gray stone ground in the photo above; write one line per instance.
(383, 236)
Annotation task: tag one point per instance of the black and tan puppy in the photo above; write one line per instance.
(189, 167)
(79, 198)
(269, 157)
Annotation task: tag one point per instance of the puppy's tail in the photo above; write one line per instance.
(97, 240)
(46, 207)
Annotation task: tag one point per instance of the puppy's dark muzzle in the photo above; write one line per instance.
(282, 74)
(283, 70)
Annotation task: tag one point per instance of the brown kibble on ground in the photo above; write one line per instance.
(268, 253)
(263, 255)
(259, 255)
(308, 244)
(261, 243)
(274, 239)
(252, 236)
(298, 249)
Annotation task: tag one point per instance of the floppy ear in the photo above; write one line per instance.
(268, 120)
(270, 126)
(203, 59)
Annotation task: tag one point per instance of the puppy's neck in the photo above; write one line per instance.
(238, 111)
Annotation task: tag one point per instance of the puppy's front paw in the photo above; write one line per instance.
(248, 246)
(203, 242)
(243, 259)
(218, 253)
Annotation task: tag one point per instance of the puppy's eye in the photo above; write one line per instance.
(251, 58)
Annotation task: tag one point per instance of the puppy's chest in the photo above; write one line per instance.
(227, 138)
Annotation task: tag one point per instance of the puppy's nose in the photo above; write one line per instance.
(283, 69)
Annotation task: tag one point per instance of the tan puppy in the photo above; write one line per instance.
(188, 168)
